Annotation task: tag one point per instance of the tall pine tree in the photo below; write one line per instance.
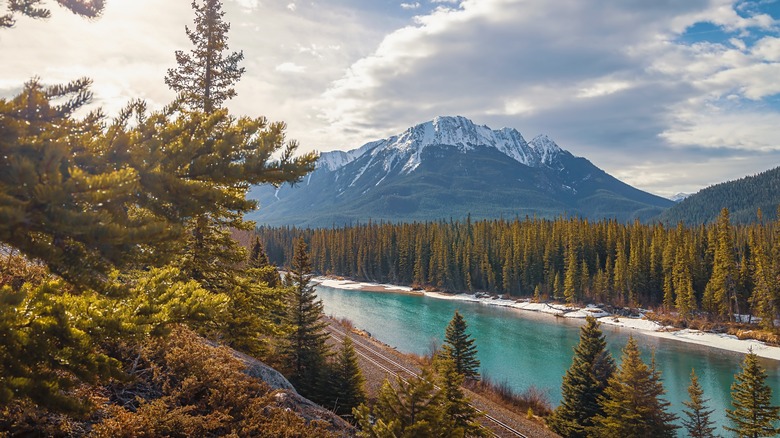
(632, 403)
(459, 346)
(584, 383)
(305, 351)
(753, 415)
(697, 423)
(205, 77)
(346, 381)
(458, 412)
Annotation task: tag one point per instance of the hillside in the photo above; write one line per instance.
(450, 168)
(743, 198)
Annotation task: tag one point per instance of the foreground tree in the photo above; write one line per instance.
(632, 403)
(458, 412)
(698, 423)
(345, 386)
(33, 9)
(205, 77)
(410, 409)
(305, 350)
(753, 415)
(459, 346)
(584, 383)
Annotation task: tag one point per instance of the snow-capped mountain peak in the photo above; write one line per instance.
(457, 131)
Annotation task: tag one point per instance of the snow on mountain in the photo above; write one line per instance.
(679, 197)
(457, 131)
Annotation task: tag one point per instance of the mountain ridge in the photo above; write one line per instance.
(450, 167)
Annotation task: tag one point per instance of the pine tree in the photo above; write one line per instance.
(261, 268)
(723, 282)
(346, 381)
(459, 346)
(305, 350)
(584, 383)
(411, 409)
(460, 415)
(753, 415)
(205, 77)
(698, 422)
(632, 403)
(31, 8)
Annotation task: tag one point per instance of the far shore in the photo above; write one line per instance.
(715, 340)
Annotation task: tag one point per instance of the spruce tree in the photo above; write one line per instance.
(205, 77)
(458, 412)
(261, 268)
(459, 346)
(632, 405)
(721, 289)
(305, 350)
(408, 409)
(698, 422)
(753, 415)
(583, 383)
(346, 381)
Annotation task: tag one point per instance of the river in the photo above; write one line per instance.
(529, 349)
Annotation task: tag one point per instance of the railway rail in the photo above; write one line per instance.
(369, 352)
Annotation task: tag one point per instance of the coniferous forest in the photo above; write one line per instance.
(716, 270)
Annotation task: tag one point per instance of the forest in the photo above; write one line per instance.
(717, 271)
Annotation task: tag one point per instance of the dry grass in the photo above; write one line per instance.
(532, 399)
(740, 330)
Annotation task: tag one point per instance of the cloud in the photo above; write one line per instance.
(629, 85)
(415, 5)
(608, 80)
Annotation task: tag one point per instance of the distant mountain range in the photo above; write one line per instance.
(449, 168)
(743, 198)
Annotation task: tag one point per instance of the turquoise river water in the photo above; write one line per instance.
(530, 349)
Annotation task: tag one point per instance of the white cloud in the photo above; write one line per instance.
(292, 7)
(415, 5)
(290, 67)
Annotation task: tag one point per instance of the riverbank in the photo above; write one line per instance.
(714, 340)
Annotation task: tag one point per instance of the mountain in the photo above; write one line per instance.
(450, 168)
(743, 198)
(679, 197)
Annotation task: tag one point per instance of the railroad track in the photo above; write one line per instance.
(369, 352)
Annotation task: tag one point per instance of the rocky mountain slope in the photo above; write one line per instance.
(450, 168)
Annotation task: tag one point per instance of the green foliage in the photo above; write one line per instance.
(458, 412)
(33, 9)
(632, 405)
(204, 77)
(742, 197)
(753, 415)
(583, 384)
(459, 346)
(305, 350)
(410, 409)
(345, 384)
(598, 262)
(697, 423)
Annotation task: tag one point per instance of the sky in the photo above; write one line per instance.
(668, 96)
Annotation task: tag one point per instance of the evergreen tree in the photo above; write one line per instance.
(32, 9)
(346, 381)
(632, 403)
(205, 77)
(460, 415)
(698, 422)
(753, 415)
(262, 270)
(411, 409)
(459, 346)
(305, 350)
(584, 383)
(721, 289)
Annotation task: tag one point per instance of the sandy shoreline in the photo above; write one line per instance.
(714, 340)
